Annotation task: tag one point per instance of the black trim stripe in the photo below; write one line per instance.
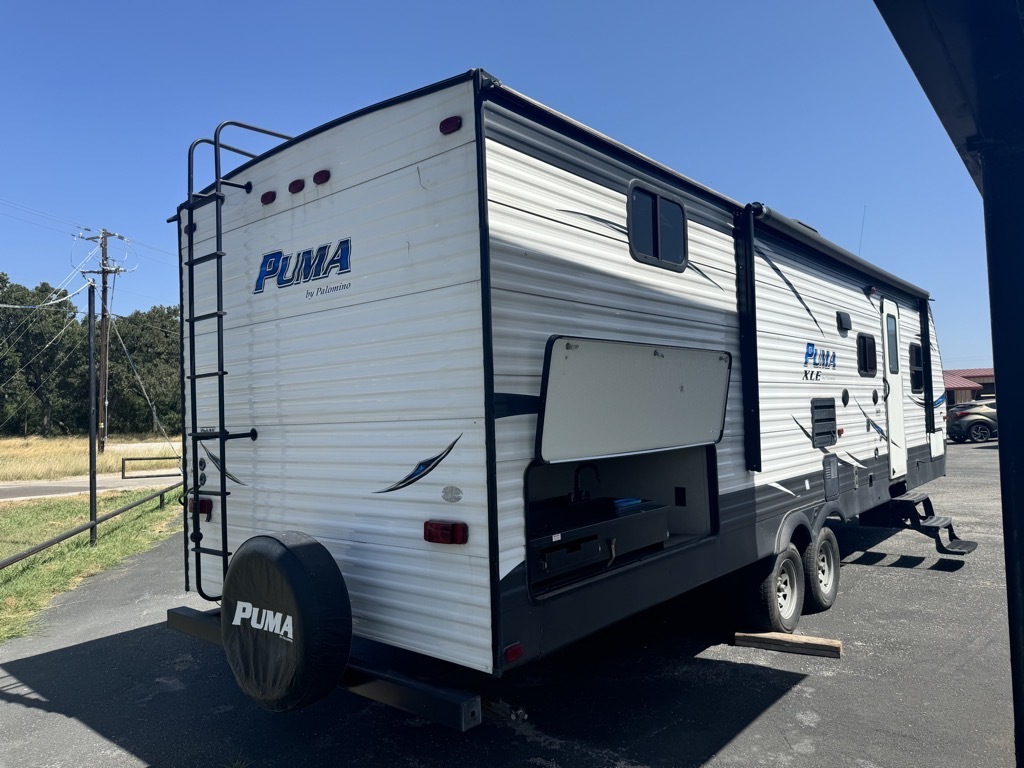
(483, 83)
(506, 405)
(746, 303)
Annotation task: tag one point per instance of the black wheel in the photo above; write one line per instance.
(780, 594)
(286, 620)
(980, 433)
(821, 571)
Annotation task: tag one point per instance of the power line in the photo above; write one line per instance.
(43, 214)
(79, 228)
(36, 223)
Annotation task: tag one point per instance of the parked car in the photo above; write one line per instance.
(972, 421)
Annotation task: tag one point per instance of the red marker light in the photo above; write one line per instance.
(321, 177)
(297, 186)
(268, 197)
(205, 507)
(514, 652)
(445, 532)
(450, 125)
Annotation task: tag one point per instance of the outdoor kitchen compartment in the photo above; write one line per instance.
(593, 534)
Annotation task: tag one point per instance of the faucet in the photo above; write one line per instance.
(578, 494)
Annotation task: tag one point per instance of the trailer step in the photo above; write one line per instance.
(931, 524)
(936, 522)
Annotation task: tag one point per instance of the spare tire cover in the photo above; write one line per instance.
(286, 620)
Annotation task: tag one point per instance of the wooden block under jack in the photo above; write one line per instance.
(780, 641)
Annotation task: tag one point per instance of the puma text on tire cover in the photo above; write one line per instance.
(286, 621)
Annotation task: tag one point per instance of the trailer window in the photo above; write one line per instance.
(916, 369)
(892, 343)
(657, 229)
(867, 357)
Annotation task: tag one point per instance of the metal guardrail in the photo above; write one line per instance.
(126, 459)
(92, 524)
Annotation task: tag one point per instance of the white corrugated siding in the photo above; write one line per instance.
(785, 328)
(352, 389)
(555, 270)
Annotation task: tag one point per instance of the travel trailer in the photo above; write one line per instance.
(465, 381)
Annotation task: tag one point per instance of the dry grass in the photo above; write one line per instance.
(38, 458)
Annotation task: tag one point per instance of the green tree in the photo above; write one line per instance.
(41, 343)
(143, 389)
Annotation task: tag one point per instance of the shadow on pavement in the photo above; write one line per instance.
(170, 700)
(858, 546)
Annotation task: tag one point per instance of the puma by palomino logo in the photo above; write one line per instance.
(260, 618)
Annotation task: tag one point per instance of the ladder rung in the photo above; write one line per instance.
(201, 492)
(251, 434)
(206, 435)
(206, 257)
(208, 551)
(198, 201)
(207, 316)
(209, 375)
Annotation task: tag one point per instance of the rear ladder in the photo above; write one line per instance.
(197, 437)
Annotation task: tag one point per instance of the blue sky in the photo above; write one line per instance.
(807, 106)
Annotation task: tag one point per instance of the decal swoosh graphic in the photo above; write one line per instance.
(791, 287)
(921, 402)
(215, 460)
(854, 462)
(782, 488)
(597, 220)
(871, 422)
(700, 272)
(809, 435)
(623, 231)
(421, 470)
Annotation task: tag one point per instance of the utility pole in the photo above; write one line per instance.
(104, 270)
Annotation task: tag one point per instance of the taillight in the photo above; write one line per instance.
(205, 507)
(444, 532)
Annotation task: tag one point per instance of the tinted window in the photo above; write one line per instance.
(891, 341)
(916, 369)
(657, 229)
(671, 232)
(867, 356)
(641, 222)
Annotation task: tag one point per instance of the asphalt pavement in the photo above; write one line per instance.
(17, 490)
(923, 680)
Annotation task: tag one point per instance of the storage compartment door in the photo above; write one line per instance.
(612, 398)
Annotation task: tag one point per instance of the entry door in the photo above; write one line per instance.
(892, 383)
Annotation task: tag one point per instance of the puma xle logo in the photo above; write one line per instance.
(260, 618)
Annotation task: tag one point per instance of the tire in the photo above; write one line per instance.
(958, 438)
(821, 572)
(286, 620)
(780, 594)
(979, 433)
